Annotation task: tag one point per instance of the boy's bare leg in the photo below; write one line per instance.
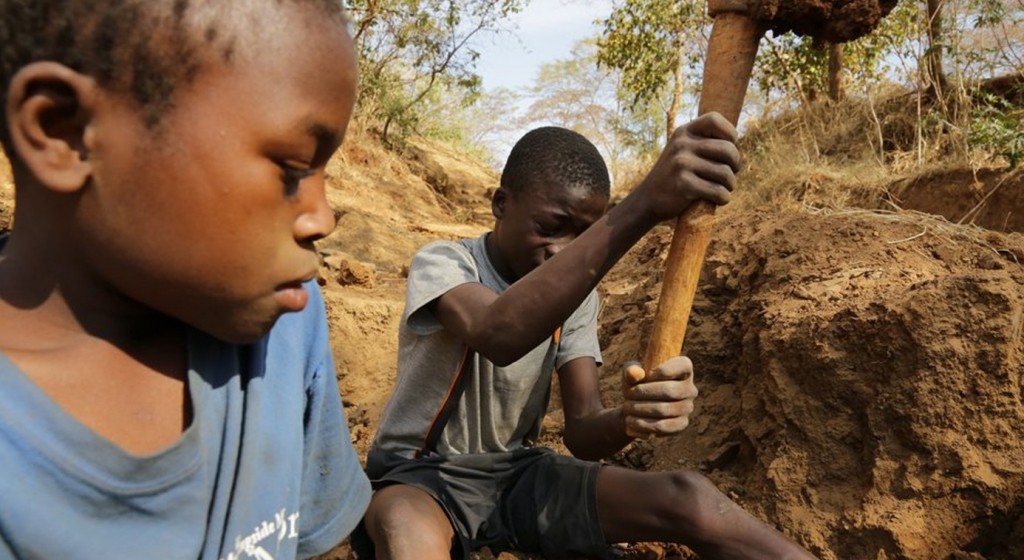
(684, 507)
(405, 522)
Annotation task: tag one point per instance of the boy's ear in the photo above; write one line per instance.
(498, 202)
(48, 110)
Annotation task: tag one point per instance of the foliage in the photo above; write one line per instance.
(647, 40)
(986, 37)
(995, 128)
(578, 94)
(478, 125)
(652, 44)
(407, 48)
(794, 67)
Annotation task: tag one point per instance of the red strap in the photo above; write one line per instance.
(451, 398)
(444, 412)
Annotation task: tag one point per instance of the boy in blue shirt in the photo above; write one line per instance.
(486, 321)
(166, 384)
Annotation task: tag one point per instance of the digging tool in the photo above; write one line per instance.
(730, 61)
(737, 29)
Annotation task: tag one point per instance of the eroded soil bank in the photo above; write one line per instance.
(861, 378)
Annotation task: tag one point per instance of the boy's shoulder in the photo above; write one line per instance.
(463, 247)
(467, 252)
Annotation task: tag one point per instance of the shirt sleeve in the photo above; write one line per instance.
(437, 268)
(579, 333)
(335, 490)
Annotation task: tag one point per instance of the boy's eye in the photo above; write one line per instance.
(546, 230)
(292, 176)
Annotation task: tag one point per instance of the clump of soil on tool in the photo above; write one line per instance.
(833, 21)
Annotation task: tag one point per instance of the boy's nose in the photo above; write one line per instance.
(317, 219)
(552, 249)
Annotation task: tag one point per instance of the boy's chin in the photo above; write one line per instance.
(240, 332)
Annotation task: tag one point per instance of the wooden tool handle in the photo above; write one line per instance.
(727, 68)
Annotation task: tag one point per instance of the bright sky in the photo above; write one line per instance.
(545, 31)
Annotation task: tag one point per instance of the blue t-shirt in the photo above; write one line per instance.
(266, 469)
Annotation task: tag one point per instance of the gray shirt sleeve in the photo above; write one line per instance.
(436, 268)
(579, 333)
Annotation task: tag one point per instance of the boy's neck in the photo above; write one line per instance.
(115, 367)
(497, 261)
(54, 304)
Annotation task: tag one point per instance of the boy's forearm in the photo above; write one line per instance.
(597, 436)
(532, 308)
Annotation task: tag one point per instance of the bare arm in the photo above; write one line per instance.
(659, 405)
(592, 432)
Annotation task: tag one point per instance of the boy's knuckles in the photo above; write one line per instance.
(661, 427)
(663, 391)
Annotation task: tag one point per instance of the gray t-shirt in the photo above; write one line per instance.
(501, 405)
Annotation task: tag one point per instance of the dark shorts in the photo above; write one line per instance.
(529, 500)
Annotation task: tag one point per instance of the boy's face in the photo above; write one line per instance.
(535, 224)
(210, 217)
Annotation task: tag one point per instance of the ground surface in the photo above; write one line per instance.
(861, 367)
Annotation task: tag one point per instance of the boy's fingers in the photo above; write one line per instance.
(719, 151)
(656, 410)
(670, 390)
(702, 189)
(679, 367)
(634, 373)
(713, 125)
(639, 427)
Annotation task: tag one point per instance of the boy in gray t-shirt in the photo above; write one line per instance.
(485, 323)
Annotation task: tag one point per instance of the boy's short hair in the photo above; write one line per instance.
(143, 48)
(552, 154)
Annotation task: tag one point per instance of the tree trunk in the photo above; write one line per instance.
(836, 65)
(672, 113)
(934, 70)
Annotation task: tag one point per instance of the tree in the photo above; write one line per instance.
(578, 94)
(797, 68)
(408, 47)
(652, 43)
(934, 70)
(469, 122)
(836, 91)
(575, 93)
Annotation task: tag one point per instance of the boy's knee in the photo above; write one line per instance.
(693, 501)
(403, 514)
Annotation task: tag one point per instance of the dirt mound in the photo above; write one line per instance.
(861, 378)
(990, 198)
(388, 208)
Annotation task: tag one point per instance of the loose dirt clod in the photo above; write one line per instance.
(833, 21)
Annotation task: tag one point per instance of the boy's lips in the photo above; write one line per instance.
(292, 296)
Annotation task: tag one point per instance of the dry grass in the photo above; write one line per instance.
(841, 154)
(822, 153)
